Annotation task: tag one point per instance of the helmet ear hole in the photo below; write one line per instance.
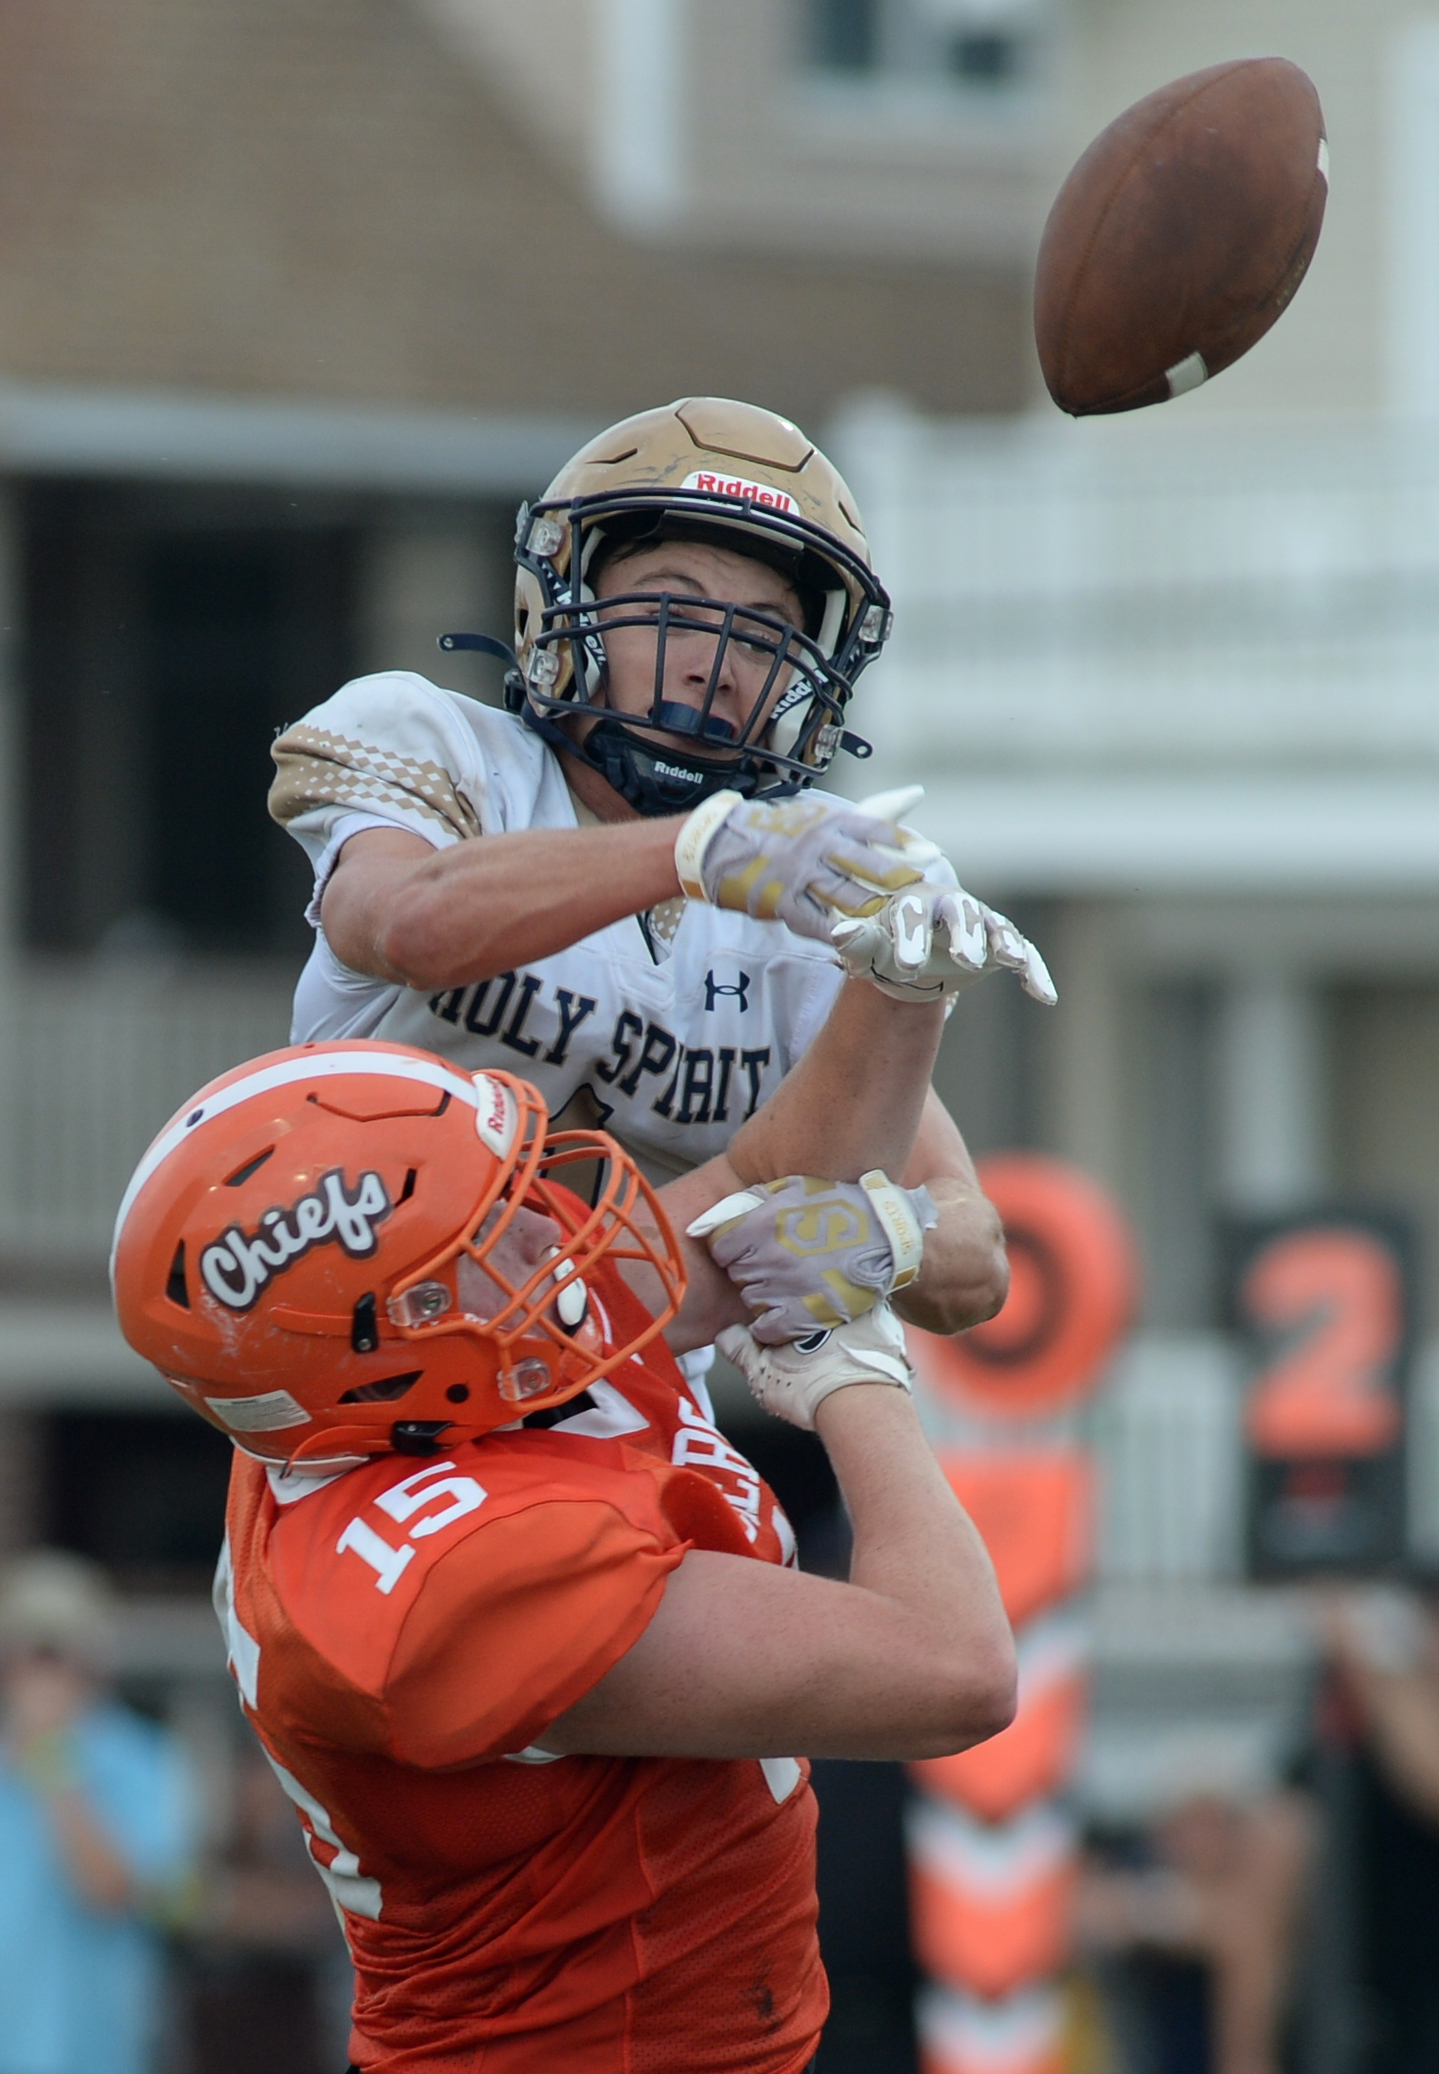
(383, 1391)
(253, 1166)
(364, 1327)
(418, 1436)
(175, 1283)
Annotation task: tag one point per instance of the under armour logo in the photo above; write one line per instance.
(713, 990)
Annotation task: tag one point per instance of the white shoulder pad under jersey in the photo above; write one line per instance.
(396, 749)
(669, 1051)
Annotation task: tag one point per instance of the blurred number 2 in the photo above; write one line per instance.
(1330, 1391)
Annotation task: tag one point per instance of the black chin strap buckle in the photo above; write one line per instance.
(418, 1436)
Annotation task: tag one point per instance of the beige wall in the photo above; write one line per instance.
(318, 201)
(697, 120)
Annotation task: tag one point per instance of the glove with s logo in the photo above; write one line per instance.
(807, 1253)
(802, 861)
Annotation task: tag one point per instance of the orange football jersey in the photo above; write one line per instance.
(402, 1634)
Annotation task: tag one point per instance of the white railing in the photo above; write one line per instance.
(1166, 1439)
(1117, 594)
(95, 1057)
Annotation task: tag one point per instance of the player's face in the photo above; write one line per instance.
(683, 571)
(527, 1242)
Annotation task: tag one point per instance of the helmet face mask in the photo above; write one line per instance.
(343, 1249)
(788, 510)
(669, 753)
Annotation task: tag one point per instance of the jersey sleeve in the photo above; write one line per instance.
(391, 750)
(518, 1622)
(818, 991)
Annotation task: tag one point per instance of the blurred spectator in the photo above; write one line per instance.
(94, 1833)
(1383, 1649)
(1200, 1932)
(270, 1975)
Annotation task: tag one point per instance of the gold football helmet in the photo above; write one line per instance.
(730, 475)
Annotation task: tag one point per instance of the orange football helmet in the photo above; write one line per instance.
(344, 1248)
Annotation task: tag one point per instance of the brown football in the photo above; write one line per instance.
(1180, 236)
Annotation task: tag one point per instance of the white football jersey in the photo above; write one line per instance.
(670, 1045)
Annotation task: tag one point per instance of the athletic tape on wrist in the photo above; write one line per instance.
(694, 839)
(899, 1222)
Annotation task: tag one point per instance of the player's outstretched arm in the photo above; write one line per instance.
(860, 1099)
(854, 1101)
(402, 911)
(911, 1658)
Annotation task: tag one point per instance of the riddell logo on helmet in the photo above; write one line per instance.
(736, 486)
(495, 1115)
(237, 1270)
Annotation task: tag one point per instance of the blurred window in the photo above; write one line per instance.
(169, 632)
(843, 35)
(168, 635)
(988, 47)
(142, 1493)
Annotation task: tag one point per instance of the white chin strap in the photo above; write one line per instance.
(784, 729)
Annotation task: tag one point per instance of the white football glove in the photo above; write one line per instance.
(801, 861)
(930, 940)
(807, 1253)
(791, 1381)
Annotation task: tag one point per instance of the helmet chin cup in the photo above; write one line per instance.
(661, 781)
(656, 781)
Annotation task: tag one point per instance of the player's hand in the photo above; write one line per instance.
(803, 861)
(807, 1253)
(791, 1381)
(930, 940)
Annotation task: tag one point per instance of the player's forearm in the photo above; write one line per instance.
(964, 1277)
(492, 903)
(1249, 1977)
(915, 1546)
(711, 1299)
(854, 1101)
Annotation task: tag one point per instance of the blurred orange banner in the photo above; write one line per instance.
(1034, 1512)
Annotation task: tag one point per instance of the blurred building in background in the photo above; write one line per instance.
(296, 303)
